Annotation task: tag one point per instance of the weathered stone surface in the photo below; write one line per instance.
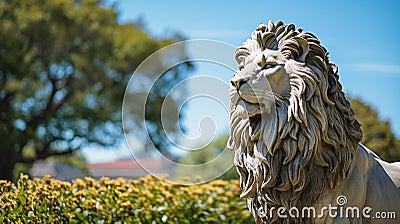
(294, 136)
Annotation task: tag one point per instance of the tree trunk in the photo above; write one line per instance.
(7, 164)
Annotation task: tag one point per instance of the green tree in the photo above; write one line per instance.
(64, 66)
(205, 155)
(377, 133)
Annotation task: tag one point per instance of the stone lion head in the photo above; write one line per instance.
(293, 132)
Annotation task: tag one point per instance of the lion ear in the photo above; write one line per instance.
(303, 48)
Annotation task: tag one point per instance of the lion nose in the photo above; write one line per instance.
(238, 83)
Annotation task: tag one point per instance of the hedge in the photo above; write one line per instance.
(147, 200)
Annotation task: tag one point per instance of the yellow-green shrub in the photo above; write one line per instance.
(147, 200)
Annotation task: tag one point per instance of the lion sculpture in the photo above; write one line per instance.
(295, 139)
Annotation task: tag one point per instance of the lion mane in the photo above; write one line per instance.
(307, 146)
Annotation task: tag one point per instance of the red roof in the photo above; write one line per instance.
(126, 164)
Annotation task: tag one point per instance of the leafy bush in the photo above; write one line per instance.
(147, 200)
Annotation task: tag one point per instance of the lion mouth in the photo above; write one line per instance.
(254, 114)
(255, 127)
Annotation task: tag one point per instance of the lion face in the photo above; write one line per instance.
(261, 82)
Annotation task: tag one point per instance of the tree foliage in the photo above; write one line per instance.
(377, 133)
(63, 70)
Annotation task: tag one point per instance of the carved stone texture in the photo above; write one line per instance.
(295, 137)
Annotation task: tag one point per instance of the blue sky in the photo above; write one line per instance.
(361, 36)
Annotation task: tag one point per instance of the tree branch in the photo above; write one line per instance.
(36, 119)
(63, 100)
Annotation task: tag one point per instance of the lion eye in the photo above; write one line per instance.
(270, 64)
